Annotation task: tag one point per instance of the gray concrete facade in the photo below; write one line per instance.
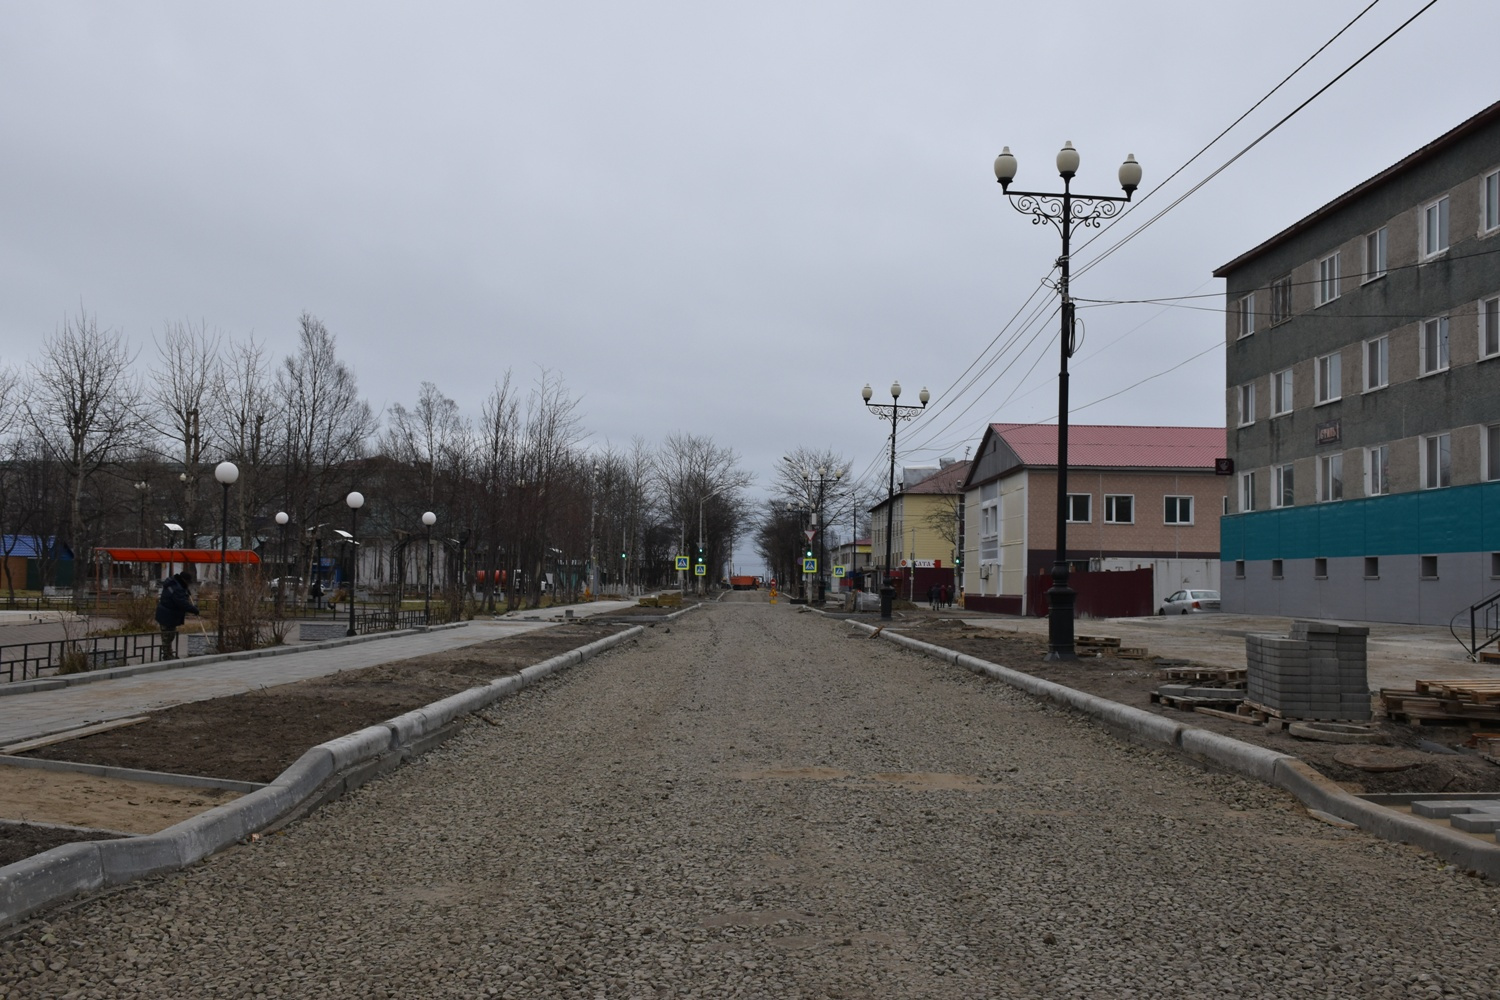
(1399, 593)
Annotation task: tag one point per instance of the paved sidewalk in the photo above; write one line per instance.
(37, 713)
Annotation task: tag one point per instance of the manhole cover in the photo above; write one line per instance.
(1367, 758)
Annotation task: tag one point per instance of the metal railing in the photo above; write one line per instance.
(1484, 625)
(27, 660)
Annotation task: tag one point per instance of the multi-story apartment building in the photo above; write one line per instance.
(1139, 498)
(1363, 396)
(924, 524)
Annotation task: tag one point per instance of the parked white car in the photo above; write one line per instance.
(1189, 601)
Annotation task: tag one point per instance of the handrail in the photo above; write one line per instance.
(1489, 610)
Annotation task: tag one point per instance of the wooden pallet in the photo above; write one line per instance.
(1418, 707)
(1479, 691)
(1185, 704)
(1225, 675)
(1489, 656)
(1097, 641)
(1132, 652)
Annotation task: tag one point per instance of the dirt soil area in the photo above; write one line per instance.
(1426, 758)
(248, 737)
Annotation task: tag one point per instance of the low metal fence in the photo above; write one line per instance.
(26, 660)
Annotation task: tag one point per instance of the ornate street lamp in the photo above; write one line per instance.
(897, 413)
(1064, 211)
(823, 481)
(226, 473)
(355, 501)
(428, 519)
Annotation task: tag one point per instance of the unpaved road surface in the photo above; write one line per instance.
(763, 803)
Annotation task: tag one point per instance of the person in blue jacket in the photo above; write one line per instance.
(172, 610)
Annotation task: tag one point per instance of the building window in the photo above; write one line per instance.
(1375, 254)
(1245, 310)
(1489, 209)
(1119, 509)
(1437, 461)
(1178, 510)
(1320, 568)
(1491, 441)
(1372, 567)
(1247, 491)
(1434, 345)
(1247, 404)
(1378, 471)
(1080, 508)
(1282, 492)
(1377, 363)
(1281, 392)
(1281, 299)
(1495, 565)
(1435, 228)
(1330, 377)
(1330, 478)
(1489, 327)
(1276, 569)
(1327, 288)
(1429, 567)
(1239, 569)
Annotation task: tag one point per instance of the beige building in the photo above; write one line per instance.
(1139, 498)
(924, 525)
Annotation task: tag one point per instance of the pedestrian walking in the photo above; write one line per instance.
(172, 610)
(944, 596)
(932, 597)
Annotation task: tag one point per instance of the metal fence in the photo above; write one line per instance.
(27, 660)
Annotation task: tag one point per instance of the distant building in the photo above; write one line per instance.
(924, 526)
(1363, 396)
(1139, 499)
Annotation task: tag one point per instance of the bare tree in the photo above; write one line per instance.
(82, 411)
(246, 430)
(495, 456)
(691, 474)
(181, 386)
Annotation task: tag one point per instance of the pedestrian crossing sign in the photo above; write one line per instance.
(839, 572)
(809, 566)
(682, 562)
(700, 570)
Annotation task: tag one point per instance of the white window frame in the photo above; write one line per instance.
(1284, 485)
(1437, 461)
(1330, 477)
(1172, 510)
(1489, 203)
(1376, 244)
(1245, 313)
(1330, 372)
(1326, 289)
(1378, 373)
(1112, 510)
(1434, 357)
(1489, 327)
(1088, 503)
(1281, 299)
(1281, 392)
(1378, 470)
(1489, 445)
(1247, 491)
(1433, 233)
(1247, 404)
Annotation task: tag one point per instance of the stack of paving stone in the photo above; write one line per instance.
(1316, 672)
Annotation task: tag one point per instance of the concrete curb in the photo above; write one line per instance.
(56, 681)
(320, 774)
(1291, 774)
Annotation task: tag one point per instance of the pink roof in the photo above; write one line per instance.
(1102, 446)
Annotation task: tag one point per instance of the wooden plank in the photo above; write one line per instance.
(71, 734)
(1248, 720)
(1132, 652)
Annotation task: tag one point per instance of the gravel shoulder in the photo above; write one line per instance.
(762, 803)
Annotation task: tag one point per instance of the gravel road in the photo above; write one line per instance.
(756, 802)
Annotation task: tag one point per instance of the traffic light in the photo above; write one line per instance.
(958, 561)
(623, 556)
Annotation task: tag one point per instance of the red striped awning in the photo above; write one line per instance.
(132, 555)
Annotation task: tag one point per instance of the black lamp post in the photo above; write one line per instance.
(897, 413)
(428, 519)
(226, 473)
(355, 500)
(281, 519)
(1064, 211)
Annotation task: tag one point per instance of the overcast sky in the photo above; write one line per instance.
(715, 218)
